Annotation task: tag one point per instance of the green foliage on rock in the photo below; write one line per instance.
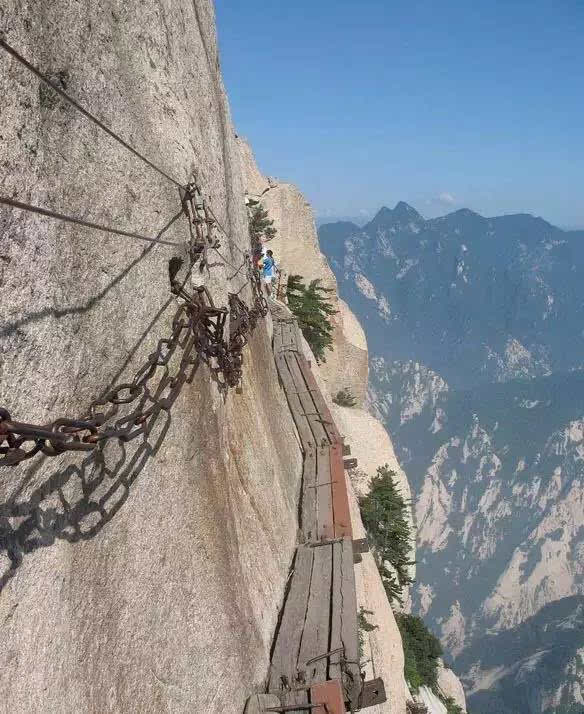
(451, 706)
(384, 513)
(421, 652)
(313, 310)
(260, 226)
(344, 398)
(364, 626)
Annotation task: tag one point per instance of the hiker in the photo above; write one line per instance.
(269, 270)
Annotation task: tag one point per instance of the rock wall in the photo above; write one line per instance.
(296, 248)
(146, 577)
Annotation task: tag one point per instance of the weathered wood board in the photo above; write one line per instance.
(285, 655)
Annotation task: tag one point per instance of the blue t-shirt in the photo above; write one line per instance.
(268, 267)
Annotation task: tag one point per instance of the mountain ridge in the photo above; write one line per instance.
(476, 369)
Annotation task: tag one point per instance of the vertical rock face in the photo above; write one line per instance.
(296, 248)
(147, 576)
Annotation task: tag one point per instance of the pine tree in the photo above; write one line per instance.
(421, 652)
(384, 513)
(313, 311)
(260, 226)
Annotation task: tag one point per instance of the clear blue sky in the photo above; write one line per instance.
(443, 105)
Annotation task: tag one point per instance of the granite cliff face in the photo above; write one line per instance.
(296, 248)
(147, 578)
(476, 371)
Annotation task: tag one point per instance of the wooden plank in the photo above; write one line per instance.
(285, 335)
(315, 637)
(340, 497)
(300, 697)
(308, 519)
(277, 339)
(258, 703)
(336, 643)
(302, 423)
(324, 500)
(285, 655)
(319, 401)
(330, 696)
(349, 626)
(344, 625)
(307, 399)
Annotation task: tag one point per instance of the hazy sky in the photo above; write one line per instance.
(364, 103)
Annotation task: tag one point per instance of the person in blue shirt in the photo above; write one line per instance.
(269, 270)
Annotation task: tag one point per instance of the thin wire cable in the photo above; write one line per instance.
(225, 233)
(88, 224)
(11, 51)
(243, 264)
(224, 259)
(17, 56)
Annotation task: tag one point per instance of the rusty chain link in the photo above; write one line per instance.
(198, 328)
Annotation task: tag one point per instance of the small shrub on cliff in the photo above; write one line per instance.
(421, 652)
(364, 626)
(451, 706)
(313, 311)
(384, 513)
(344, 398)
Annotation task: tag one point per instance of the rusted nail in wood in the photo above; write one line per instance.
(318, 543)
(326, 655)
(293, 707)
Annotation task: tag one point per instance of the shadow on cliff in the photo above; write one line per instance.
(57, 313)
(76, 501)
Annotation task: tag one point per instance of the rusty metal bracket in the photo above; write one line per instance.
(360, 545)
(350, 463)
(372, 693)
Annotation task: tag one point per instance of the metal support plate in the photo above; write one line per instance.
(360, 545)
(350, 463)
(372, 693)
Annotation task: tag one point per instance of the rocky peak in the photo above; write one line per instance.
(402, 217)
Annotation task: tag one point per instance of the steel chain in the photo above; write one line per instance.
(198, 328)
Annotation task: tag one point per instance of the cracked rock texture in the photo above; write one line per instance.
(147, 576)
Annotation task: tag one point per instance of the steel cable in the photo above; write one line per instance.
(89, 224)
(17, 56)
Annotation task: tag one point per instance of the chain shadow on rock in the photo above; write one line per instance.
(32, 317)
(76, 501)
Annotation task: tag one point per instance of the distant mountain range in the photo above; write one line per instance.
(353, 220)
(476, 335)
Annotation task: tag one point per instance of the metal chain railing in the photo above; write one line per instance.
(198, 329)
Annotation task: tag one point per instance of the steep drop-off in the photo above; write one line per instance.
(476, 371)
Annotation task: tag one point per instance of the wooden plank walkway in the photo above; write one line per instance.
(315, 658)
